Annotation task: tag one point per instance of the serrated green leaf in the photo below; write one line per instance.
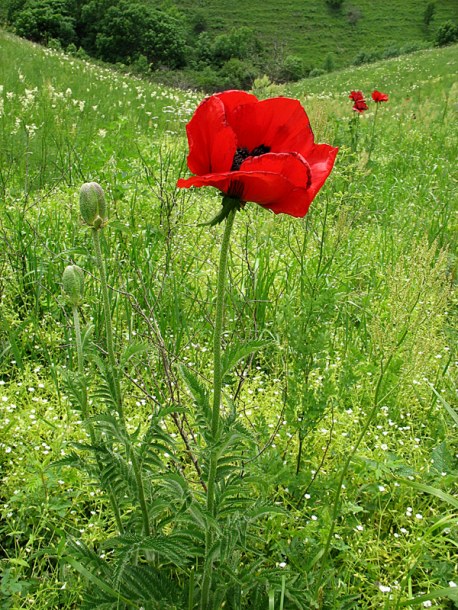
(198, 392)
(233, 355)
(133, 349)
(99, 582)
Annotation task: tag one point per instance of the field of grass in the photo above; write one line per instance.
(310, 29)
(355, 307)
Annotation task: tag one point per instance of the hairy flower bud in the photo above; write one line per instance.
(73, 283)
(93, 207)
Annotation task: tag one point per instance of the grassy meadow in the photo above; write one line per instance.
(355, 307)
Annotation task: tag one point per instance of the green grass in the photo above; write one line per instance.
(311, 30)
(358, 301)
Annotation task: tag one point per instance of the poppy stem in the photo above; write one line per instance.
(373, 133)
(217, 391)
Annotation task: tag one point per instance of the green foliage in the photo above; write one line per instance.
(293, 68)
(237, 74)
(310, 30)
(329, 64)
(429, 12)
(354, 14)
(239, 43)
(335, 4)
(447, 33)
(43, 20)
(169, 35)
(128, 31)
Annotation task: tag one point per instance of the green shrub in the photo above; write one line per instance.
(198, 21)
(354, 15)
(328, 65)
(429, 12)
(128, 31)
(240, 43)
(335, 4)
(364, 57)
(316, 72)
(293, 68)
(209, 80)
(446, 34)
(237, 74)
(391, 52)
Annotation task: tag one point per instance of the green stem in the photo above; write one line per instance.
(80, 356)
(115, 378)
(221, 287)
(108, 325)
(373, 133)
(79, 343)
(217, 390)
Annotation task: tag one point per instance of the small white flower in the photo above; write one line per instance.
(384, 588)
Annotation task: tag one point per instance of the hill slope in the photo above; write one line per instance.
(311, 29)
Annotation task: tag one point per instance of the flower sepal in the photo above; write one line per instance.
(228, 204)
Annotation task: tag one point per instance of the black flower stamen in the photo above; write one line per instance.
(243, 153)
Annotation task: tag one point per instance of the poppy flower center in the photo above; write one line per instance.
(243, 153)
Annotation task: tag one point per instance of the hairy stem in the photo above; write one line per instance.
(217, 388)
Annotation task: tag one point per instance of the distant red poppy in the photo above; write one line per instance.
(378, 97)
(356, 96)
(259, 151)
(360, 106)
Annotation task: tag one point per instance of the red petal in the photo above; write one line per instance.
(212, 143)
(277, 182)
(232, 99)
(292, 166)
(321, 161)
(279, 123)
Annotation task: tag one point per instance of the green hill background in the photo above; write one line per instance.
(214, 45)
(312, 30)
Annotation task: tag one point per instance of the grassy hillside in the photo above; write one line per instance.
(312, 30)
(355, 306)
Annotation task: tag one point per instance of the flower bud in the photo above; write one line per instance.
(93, 207)
(73, 283)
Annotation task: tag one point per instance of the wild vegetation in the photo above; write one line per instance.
(338, 488)
(220, 45)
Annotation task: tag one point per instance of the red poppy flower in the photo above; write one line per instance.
(360, 106)
(259, 151)
(378, 97)
(356, 96)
